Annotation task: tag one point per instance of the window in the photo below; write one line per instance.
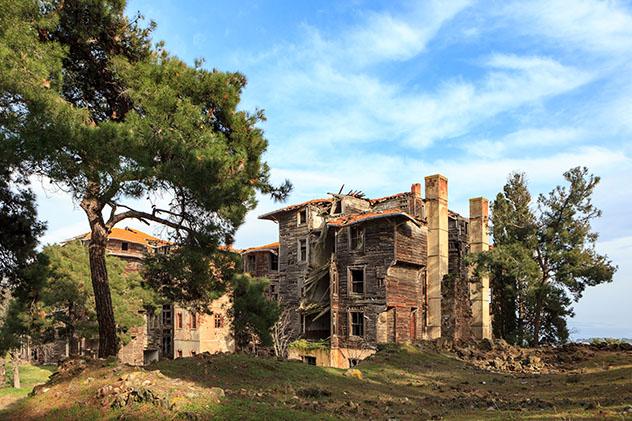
(193, 353)
(124, 246)
(179, 321)
(302, 250)
(338, 207)
(166, 345)
(219, 321)
(353, 362)
(380, 282)
(356, 236)
(179, 353)
(251, 263)
(309, 360)
(357, 280)
(166, 315)
(274, 262)
(357, 323)
(194, 321)
(301, 217)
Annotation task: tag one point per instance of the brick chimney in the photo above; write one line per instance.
(437, 217)
(479, 291)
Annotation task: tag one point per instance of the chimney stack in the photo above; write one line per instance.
(479, 291)
(437, 265)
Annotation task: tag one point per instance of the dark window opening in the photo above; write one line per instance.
(309, 360)
(357, 323)
(179, 321)
(219, 321)
(302, 252)
(357, 238)
(193, 353)
(302, 216)
(166, 346)
(124, 246)
(274, 262)
(353, 362)
(179, 353)
(166, 315)
(338, 208)
(194, 321)
(357, 280)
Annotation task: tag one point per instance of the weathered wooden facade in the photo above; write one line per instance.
(361, 272)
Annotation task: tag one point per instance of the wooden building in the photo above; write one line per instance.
(362, 272)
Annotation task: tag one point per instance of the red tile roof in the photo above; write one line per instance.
(268, 247)
(132, 236)
(354, 218)
(270, 215)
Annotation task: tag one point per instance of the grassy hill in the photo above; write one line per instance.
(404, 383)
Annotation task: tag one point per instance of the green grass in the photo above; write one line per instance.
(30, 376)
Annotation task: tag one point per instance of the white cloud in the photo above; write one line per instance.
(519, 141)
(592, 25)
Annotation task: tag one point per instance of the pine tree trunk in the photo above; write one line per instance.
(537, 321)
(15, 362)
(103, 300)
(73, 342)
(3, 372)
(108, 345)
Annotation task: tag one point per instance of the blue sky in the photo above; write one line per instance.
(378, 94)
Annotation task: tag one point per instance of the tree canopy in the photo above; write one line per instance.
(543, 258)
(87, 101)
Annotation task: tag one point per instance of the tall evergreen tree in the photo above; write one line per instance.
(543, 259)
(89, 103)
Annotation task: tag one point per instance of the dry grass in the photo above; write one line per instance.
(402, 383)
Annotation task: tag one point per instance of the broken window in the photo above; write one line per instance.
(179, 321)
(219, 321)
(302, 250)
(124, 246)
(356, 235)
(302, 216)
(274, 262)
(353, 362)
(357, 323)
(338, 207)
(357, 280)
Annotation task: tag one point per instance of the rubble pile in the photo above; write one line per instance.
(130, 388)
(500, 356)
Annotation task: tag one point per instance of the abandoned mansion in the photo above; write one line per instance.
(351, 272)
(358, 272)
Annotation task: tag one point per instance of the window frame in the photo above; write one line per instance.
(351, 237)
(218, 321)
(350, 283)
(273, 257)
(179, 320)
(194, 321)
(352, 324)
(301, 258)
(302, 217)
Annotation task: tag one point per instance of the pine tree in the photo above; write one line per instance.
(88, 102)
(543, 259)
